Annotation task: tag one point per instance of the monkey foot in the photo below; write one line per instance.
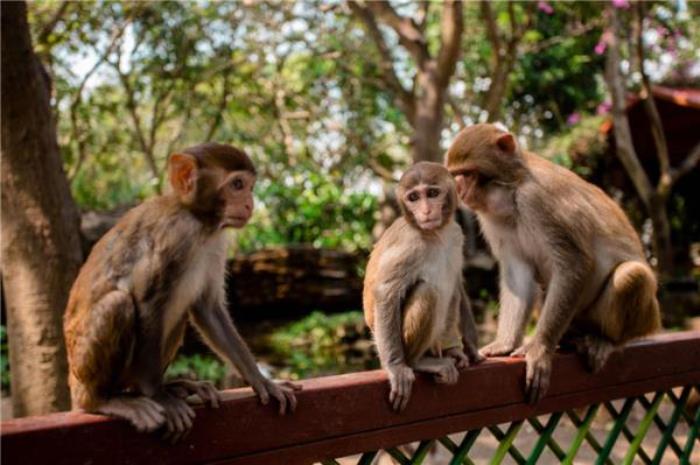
(144, 413)
(178, 417)
(595, 349)
(461, 359)
(182, 388)
(497, 348)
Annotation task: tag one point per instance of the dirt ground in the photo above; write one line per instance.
(486, 444)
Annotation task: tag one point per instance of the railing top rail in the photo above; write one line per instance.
(340, 415)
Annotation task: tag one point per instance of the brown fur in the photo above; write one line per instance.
(162, 264)
(412, 296)
(552, 230)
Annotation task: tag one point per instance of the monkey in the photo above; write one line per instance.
(560, 242)
(161, 265)
(413, 296)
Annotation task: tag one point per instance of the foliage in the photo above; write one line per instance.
(578, 148)
(310, 208)
(4, 361)
(198, 366)
(559, 73)
(323, 344)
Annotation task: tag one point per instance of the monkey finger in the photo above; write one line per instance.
(282, 399)
(396, 397)
(291, 385)
(264, 396)
(519, 352)
(404, 401)
(292, 399)
(210, 395)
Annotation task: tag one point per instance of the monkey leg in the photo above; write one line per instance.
(443, 370)
(418, 322)
(518, 293)
(99, 354)
(627, 308)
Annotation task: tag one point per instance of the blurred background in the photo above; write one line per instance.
(332, 100)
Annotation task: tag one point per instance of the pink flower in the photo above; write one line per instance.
(603, 108)
(600, 47)
(573, 118)
(621, 4)
(602, 44)
(545, 7)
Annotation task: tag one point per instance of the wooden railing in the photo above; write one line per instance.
(344, 415)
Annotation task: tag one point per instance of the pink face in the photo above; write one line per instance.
(425, 203)
(236, 191)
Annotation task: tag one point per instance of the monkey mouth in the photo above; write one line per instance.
(429, 224)
(234, 222)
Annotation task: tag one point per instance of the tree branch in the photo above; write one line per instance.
(491, 28)
(388, 73)
(53, 22)
(451, 33)
(409, 34)
(689, 164)
(665, 181)
(623, 137)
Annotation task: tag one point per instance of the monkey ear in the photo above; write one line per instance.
(506, 142)
(182, 171)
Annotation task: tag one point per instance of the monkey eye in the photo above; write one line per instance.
(412, 197)
(237, 184)
(433, 192)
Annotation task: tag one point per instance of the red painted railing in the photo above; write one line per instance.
(343, 415)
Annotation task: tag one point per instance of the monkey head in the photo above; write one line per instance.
(427, 197)
(215, 182)
(483, 157)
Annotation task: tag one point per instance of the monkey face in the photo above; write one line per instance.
(235, 195)
(425, 204)
(485, 161)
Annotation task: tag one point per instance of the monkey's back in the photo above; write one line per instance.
(112, 259)
(591, 213)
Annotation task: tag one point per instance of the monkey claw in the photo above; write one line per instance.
(643, 392)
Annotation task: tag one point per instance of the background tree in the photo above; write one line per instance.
(654, 196)
(40, 226)
(424, 103)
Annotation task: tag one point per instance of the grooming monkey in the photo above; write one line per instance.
(413, 297)
(162, 264)
(560, 237)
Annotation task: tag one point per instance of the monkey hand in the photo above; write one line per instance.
(183, 388)
(447, 373)
(178, 416)
(461, 359)
(497, 348)
(401, 379)
(283, 391)
(538, 358)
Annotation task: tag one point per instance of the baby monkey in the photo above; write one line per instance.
(413, 297)
(160, 266)
(555, 235)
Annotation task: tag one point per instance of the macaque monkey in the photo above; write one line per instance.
(162, 264)
(559, 238)
(413, 298)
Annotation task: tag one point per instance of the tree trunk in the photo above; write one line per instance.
(40, 226)
(497, 91)
(663, 248)
(427, 124)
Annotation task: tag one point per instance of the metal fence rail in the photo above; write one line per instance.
(348, 415)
